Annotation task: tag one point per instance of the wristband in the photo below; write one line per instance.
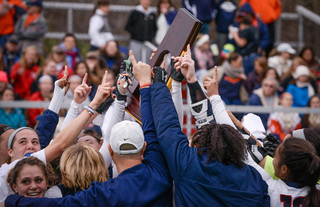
(145, 85)
(90, 110)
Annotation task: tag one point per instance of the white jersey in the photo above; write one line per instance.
(5, 189)
(281, 194)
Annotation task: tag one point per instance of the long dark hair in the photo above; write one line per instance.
(223, 143)
(303, 165)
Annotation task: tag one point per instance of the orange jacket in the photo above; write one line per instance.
(268, 10)
(7, 20)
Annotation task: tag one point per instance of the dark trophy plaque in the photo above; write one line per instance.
(183, 31)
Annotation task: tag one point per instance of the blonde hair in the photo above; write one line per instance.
(80, 165)
(22, 60)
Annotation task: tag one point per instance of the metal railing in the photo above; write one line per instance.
(302, 12)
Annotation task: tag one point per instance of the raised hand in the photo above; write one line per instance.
(82, 91)
(64, 82)
(103, 92)
(211, 84)
(141, 71)
(186, 66)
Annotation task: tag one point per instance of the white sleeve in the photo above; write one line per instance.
(265, 176)
(73, 112)
(40, 155)
(114, 114)
(177, 99)
(219, 111)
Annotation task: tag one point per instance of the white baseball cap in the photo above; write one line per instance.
(126, 138)
(285, 47)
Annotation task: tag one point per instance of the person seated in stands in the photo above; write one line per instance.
(312, 120)
(23, 72)
(12, 117)
(266, 96)
(31, 27)
(112, 56)
(59, 57)
(11, 53)
(281, 123)
(48, 68)
(44, 94)
(282, 61)
(69, 46)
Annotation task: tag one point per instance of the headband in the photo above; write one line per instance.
(12, 136)
(3, 130)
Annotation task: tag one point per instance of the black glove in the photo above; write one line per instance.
(176, 75)
(104, 105)
(257, 153)
(270, 143)
(120, 96)
(160, 75)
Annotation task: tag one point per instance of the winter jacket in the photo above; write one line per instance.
(33, 34)
(268, 10)
(22, 82)
(34, 113)
(198, 183)
(141, 24)
(203, 10)
(226, 10)
(7, 21)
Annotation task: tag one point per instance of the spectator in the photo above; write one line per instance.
(231, 81)
(255, 76)
(301, 89)
(226, 11)
(32, 178)
(24, 72)
(165, 16)
(225, 53)
(266, 96)
(44, 94)
(96, 66)
(48, 68)
(73, 161)
(247, 42)
(282, 62)
(312, 120)
(282, 123)
(5, 132)
(112, 56)
(59, 57)
(99, 28)
(269, 11)
(307, 54)
(141, 25)
(288, 77)
(247, 11)
(12, 117)
(204, 10)
(11, 53)
(31, 27)
(69, 46)
(10, 12)
(91, 137)
(202, 56)
(3, 82)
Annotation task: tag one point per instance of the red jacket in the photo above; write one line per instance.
(268, 10)
(22, 82)
(7, 20)
(34, 113)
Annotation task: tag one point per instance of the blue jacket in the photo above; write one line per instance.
(226, 10)
(203, 10)
(46, 127)
(300, 95)
(146, 184)
(196, 182)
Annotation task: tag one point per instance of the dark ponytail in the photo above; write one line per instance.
(303, 165)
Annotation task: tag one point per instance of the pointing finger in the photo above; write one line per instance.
(105, 77)
(188, 53)
(84, 80)
(215, 73)
(133, 60)
(65, 75)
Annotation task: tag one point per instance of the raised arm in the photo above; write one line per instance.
(66, 137)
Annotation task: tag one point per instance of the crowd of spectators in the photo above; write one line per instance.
(95, 153)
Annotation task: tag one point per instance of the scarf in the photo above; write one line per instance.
(30, 19)
(231, 71)
(71, 56)
(310, 88)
